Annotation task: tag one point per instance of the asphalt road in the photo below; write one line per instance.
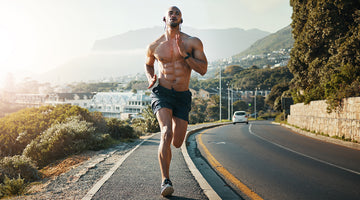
(276, 163)
(138, 177)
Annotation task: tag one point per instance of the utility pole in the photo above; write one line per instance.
(232, 99)
(228, 102)
(255, 102)
(220, 92)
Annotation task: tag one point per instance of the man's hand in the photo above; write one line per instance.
(152, 81)
(180, 45)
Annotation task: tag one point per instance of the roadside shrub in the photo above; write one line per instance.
(17, 130)
(268, 115)
(106, 141)
(198, 111)
(139, 125)
(62, 139)
(13, 187)
(149, 123)
(98, 121)
(15, 166)
(119, 129)
(195, 118)
(280, 117)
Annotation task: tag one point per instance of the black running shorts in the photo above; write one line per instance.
(178, 102)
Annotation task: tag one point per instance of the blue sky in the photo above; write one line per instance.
(37, 35)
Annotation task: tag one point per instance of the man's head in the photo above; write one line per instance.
(173, 17)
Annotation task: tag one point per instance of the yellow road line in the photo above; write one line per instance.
(211, 159)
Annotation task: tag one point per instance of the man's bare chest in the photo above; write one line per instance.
(167, 52)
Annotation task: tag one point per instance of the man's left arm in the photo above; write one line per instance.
(197, 59)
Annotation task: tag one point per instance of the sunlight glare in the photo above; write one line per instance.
(18, 39)
(6, 47)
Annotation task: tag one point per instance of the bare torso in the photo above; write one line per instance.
(174, 72)
(177, 54)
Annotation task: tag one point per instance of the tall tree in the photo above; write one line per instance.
(274, 98)
(326, 50)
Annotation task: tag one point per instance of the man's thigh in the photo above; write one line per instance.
(164, 116)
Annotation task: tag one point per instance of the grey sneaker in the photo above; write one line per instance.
(167, 188)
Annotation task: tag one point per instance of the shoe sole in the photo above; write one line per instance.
(167, 191)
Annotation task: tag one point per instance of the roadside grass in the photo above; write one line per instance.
(12, 187)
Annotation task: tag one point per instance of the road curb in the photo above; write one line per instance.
(204, 185)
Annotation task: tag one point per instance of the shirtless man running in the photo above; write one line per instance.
(177, 54)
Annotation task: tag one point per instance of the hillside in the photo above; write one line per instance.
(282, 39)
(218, 43)
(245, 79)
(124, 54)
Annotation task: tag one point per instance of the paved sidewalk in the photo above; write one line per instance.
(138, 177)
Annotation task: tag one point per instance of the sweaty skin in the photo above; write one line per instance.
(170, 51)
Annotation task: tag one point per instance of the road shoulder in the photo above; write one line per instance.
(321, 137)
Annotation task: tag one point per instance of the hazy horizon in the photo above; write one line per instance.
(39, 35)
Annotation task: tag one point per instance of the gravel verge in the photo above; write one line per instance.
(75, 183)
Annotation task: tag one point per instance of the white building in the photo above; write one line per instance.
(29, 100)
(121, 105)
(78, 99)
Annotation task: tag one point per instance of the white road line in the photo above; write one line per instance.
(316, 159)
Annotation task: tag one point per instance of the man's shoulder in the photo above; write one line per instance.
(155, 43)
(189, 37)
(192, 40)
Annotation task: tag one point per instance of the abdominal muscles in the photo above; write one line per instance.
(175, 75)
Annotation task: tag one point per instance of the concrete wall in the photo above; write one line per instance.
(314, 117)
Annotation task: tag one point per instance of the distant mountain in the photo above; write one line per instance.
(218, 43)
(282, 39)
(125, 53)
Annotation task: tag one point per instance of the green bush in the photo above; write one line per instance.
(139, 125)
(19, 129)
(119, 129)
(62, 139)
(198, 111)
(280, 117)
(268, 115)
(17, 165)
(98, 121)
(106, 142)
(12, 187)
(151, 123)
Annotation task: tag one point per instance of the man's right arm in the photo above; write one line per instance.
(149, 65)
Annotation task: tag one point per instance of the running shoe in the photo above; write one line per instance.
(167, 188)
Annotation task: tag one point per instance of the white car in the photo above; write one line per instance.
(240, 117)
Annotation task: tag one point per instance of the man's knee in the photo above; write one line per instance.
(166, 134)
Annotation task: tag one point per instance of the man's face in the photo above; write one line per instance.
(173, 17)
